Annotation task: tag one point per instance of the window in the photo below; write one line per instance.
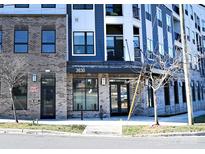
(82, 6)
(161, 49)
(20, 95)
(171, 54)
(21, 5)
(135, 10)
(113, 9)
(166, 94)
(159, 17)
(148, 11)
(176, 93)
(149, 48)
(203, 42)
(193, 92)
(85, 94)
(150, 94)
(193, 37)
(48, 41)
(186, 9)
(199, 91)
(188, 33)
(203, 25)
(168, 20)
(183, 92)
(21, 41)
(83, 43)
(1, 5)
(48, 5)
(0, 41)
(191, 12)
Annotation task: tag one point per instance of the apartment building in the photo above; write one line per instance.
(89, 56)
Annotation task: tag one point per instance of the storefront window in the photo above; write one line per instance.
(85, 96)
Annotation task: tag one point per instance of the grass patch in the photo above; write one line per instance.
(60, 128)
(143, 130)
(200, 119)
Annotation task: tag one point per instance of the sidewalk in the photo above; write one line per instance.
(136, 120)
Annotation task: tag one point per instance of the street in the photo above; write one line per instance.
(11, 141)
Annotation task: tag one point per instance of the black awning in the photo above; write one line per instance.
(104, 67)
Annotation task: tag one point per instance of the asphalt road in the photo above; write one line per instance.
(11, 141)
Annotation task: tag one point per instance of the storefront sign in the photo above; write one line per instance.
(80, 70)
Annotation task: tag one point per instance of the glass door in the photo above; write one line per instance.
(48, 94)
(119, 98)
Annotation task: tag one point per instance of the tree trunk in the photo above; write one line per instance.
(155, 109)
(13, 105)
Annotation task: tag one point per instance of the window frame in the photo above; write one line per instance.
(148, 12)
(106, 7)
(85, 44)
(21, 43)
(47, 5)
(42, 43)
(168, 23)
(85, 91)
(159, 17)
(21, 6)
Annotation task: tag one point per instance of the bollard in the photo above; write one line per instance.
(101, 112)
(81, 107)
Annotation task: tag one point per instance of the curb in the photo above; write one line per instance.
(202, 133)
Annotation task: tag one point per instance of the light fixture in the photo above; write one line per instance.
(34, 77)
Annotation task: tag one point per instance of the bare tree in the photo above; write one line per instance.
(12, 73)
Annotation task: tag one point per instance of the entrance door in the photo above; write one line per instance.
(48, 94)
(119, 97)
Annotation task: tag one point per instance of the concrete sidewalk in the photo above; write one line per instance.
(136, 120)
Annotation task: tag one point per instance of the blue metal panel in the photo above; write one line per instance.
(144, 33)
(99, 36)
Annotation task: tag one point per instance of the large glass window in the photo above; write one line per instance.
(85, 94)
(159, 17)
(48, 5)
(20, 95)
(21, 41)
(83, 43)
(113, 9)
(82, 6)
(48, 41)
(148, 11)
(21, 5)
(135, 10)
(149, 48)
(0, 41)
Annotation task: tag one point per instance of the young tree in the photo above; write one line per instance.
(12, 72)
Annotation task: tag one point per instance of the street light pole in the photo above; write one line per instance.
(186, 67)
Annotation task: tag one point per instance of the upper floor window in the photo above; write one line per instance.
(149, 48)
(1, 5)
(82, 6)
(168, 20)
(203, 25)
(114, 9)
(0, 41)
(48, 5)
(21, 5)
(188, 33)
(159, 17)
(203, 41)
(148, 11)
(135, 10)
(193, 37)
(191, 12)
(48, 41)
(21, 41)
(83, 42)
(186, 9)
